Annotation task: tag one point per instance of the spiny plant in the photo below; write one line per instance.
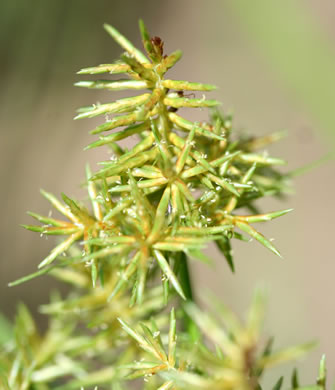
(154, 207)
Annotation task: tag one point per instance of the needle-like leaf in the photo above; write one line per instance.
(59, 249)
(121, 120)
(184, 102)
(127, 273)
(187, 125)
(258, 236)
(105, 68)
(187, 86)
(160, 215)
(119, 106)
(126, 44)
(168, 272)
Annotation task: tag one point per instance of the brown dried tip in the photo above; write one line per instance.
(158, 45)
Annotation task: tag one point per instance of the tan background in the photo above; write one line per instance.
(43, 43)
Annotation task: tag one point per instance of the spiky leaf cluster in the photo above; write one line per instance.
(236, 362)
(154, 205)
(178, 188)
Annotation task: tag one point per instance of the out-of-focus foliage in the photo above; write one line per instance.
(153, 207)
(86, 346)
(5, 329)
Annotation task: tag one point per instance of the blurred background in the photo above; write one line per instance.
(274, 64)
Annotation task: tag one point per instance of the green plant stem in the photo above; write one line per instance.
(186, 278)
(186, 285)
(184, 273)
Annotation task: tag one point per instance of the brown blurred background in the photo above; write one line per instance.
(274, 64)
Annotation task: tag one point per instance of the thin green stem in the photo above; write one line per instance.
(164, 125)
(186, 284)
(185, 277)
